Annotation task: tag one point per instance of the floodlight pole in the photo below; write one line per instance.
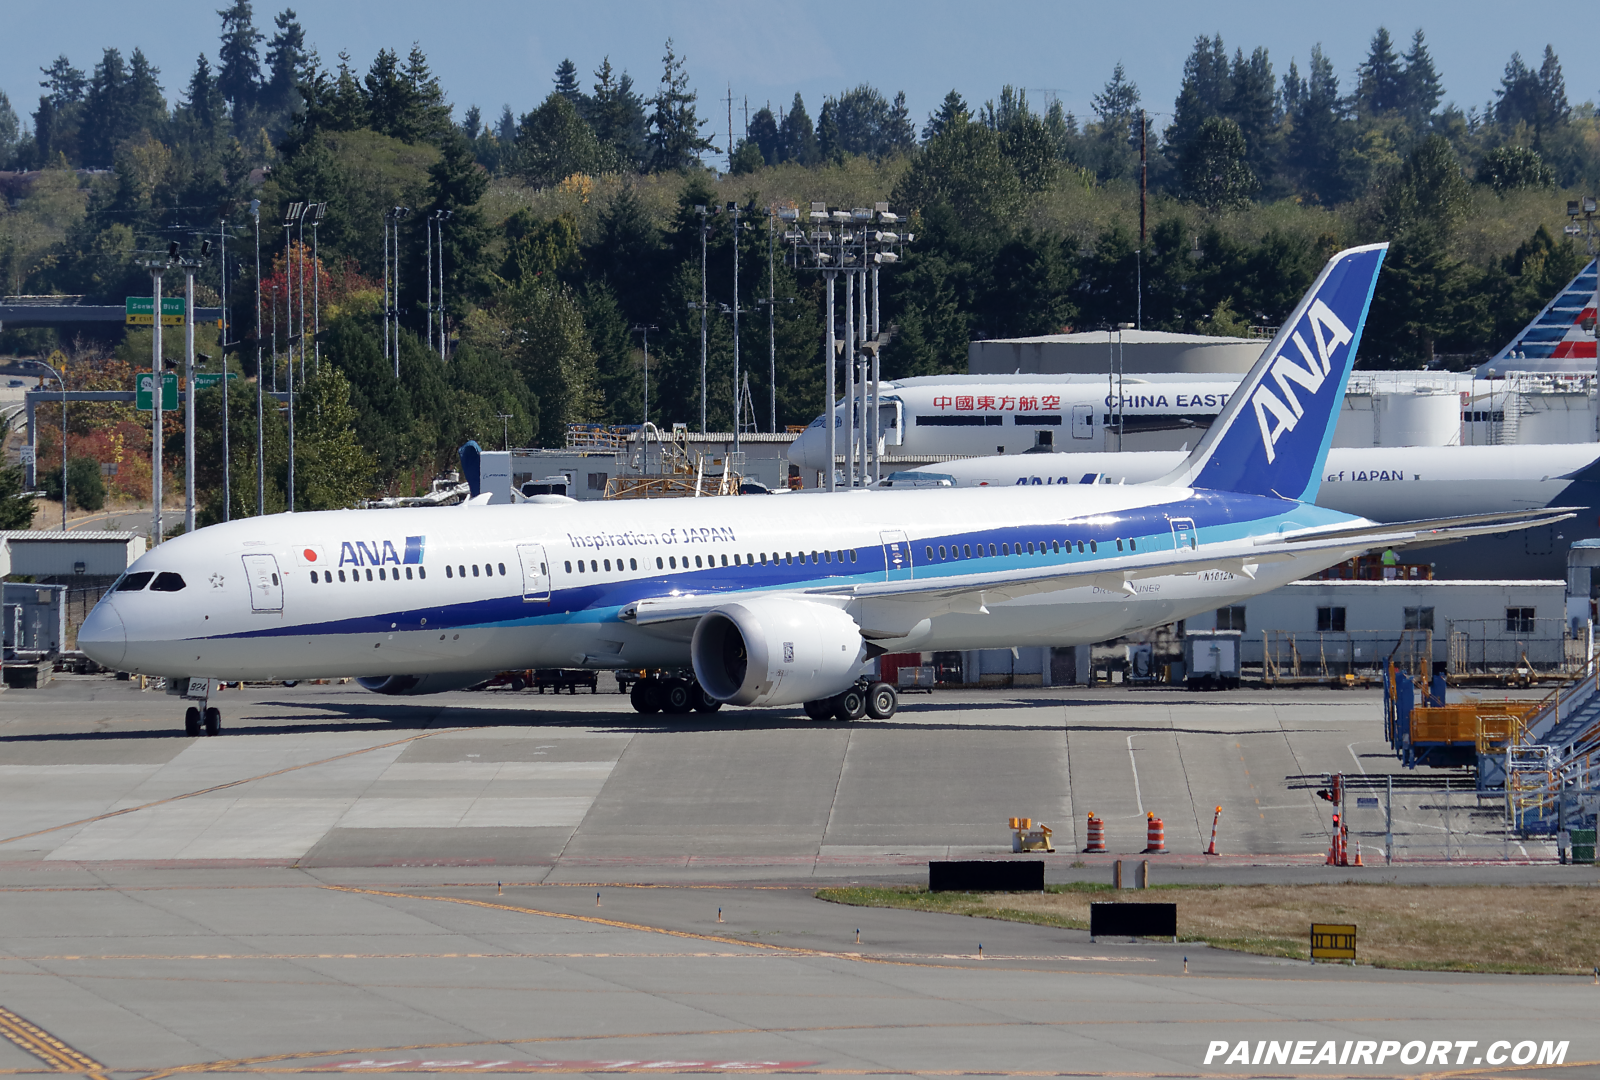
(827, 355)
(1144, 175)
(772, 324)
(705, 228)
(188, 396)
(316, 294)
(261, 438)
(302, 260)
(428, 290)
(388, 216)
(850, 376)
(155, 412)
(62, 382)
(444, 215)
(738, 404)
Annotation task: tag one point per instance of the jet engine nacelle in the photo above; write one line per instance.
(775, 651)
(436, 683)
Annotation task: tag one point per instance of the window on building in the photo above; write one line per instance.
(597, 481)
(1419, 618)
(1519, 620)
(1331, 619)
(1230, 618)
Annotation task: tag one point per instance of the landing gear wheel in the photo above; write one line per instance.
(519, 683)
(191, 721)
(702, 703)
(646, 696)
(882, 701)
(213, 720)
(819, 710)
(850, 706)
(678, 697)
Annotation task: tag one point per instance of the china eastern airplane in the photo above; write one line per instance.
(1378, 483)
(769, 601)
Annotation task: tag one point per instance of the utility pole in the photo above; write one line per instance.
(388, 216)
(705, 229)
(829, 416)
(316, 290)
(428, 290)
(227, 478)
(155, 407)
(261, 441)
(188, 392)
(305, 211)
(730, 169)
(444, 216)
(772, 322)
(289, 219)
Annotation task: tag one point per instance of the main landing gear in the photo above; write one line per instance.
(676, 695)
(876, 700)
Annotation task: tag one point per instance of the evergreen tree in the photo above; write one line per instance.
(388, 94)
(1116, 107)
(1536, 98)
(456, 185)
(625, 253)
(199, 120)
(429, 118)
(505, 129)
(764, 134)
(56, 122)
(963, 169)
(864, 122)
(566, 82)
(617, 116)
(1552, 90)
(950, 109)
(123, 101)
(1423, 87)
(1292, 90)
(829, 150)
(1318, 133)
(1204, 93)
(9, 129)
(675, 142)
(472, 122)
(288, 65)
(239, 60)
(1252, 104)
(1380, 81)
(797, 142)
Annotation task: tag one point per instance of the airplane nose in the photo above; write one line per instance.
(809, 449)
(102, 637)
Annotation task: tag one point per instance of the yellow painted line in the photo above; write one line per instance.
(224, 787)
(46, 1047)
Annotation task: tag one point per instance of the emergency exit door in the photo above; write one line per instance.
(896, 555)
(266, 587)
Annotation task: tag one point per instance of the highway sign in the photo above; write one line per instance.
(139, 310)
(57, 360)
(1333, 941)
(205, 379)
(169, 391)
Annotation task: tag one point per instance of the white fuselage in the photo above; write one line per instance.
(488, 588)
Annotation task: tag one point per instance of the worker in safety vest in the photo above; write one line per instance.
(1391, 561)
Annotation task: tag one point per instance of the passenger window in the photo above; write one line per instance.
(942, 552)
(930, 546)
(1030, 545)
(313, 577)
(966, 549)
(1080, 542)
(725, 559)
(1055, 545)
(1134, 544)
(449, 573)
(852, 554)
(341, 575)
(696, 558)
(736, 558)
(369, 576)
(991, 549)
(422, 572)
(474, 565)
(1119, 539)
(763, 554)
(1005, 549)
(170, 582)
(179, 585)
(633, 564)
(461, 570)
(381, 576)
(608, 561)
(594, 566)
(1094, 548)
(788, 556)
(408, 573)
(659, 564)
(671, 559)
(502, 569)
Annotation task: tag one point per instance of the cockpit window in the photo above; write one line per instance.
(135, 582)
(167, 582)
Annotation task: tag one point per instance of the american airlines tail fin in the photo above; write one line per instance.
(1274, 434)
(1556, 339)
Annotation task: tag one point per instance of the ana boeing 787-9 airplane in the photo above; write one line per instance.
(769, 601)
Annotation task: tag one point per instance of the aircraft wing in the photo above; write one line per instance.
(972, 592)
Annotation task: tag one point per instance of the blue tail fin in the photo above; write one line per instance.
(1274, 434)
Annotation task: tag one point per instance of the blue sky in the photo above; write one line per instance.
(500, 51)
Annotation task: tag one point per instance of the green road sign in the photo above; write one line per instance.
(204, 380)
(138, 311)
(169, 391)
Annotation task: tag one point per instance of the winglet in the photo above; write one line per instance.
(1273, 436)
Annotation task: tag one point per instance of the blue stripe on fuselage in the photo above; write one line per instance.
(1218, 517)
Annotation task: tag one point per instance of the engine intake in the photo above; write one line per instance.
(435, 683)
(775, 651)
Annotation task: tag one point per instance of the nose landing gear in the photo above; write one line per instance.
(202, 718)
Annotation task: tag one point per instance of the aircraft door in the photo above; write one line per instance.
(535, 572)
(266, 587)
(1083, 421)
(896, 555)
(1183, 534)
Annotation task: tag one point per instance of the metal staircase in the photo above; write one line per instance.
(1549, 770)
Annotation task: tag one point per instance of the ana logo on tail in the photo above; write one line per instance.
(1277, 415)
